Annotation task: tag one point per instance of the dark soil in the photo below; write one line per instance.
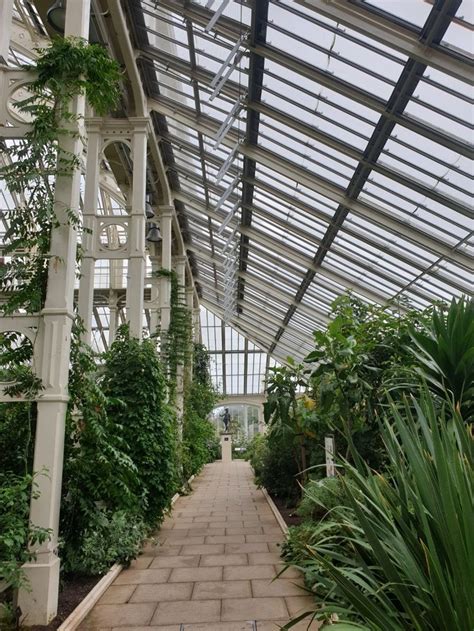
(74, 588)
(288, 514)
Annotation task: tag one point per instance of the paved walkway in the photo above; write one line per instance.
(212, 567)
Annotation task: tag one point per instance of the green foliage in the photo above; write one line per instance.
(287, 421)
(402, 556)
(275, 466)
(176, 342)
(67, 68)
(98, 471)
(320, 497)
(17, 535)
(71, 66)
(362, 353)
(17, 425)
(445, 351)
(108, 536)
(199, 435)
(134, 383)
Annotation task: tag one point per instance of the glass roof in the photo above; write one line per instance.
(313, 147)
(315, 153)
(238, 367)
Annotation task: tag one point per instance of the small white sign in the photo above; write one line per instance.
(330, 449)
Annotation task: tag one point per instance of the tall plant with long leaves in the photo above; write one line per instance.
(404, 556)
(444, 349)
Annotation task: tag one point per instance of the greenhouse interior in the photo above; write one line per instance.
(236, 315)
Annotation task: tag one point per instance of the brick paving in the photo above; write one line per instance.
(211, 568)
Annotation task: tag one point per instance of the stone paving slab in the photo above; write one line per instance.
(211, 567)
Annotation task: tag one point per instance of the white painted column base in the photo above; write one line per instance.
(40, 602)
(226, 447)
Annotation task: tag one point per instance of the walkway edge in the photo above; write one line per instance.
(276, 512)
(83, 608)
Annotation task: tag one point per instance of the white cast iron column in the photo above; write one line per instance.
(86, 282)
(166, 216)
(39, 605)
(154, 290)
(136, 236)
(180, 269)
(197, 324)
(6, 17)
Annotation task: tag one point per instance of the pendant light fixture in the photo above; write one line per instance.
(153, 234)
(56, 16)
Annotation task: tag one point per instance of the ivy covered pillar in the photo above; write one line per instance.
(39, 603)
(86, 282)
(136, 230)
(197, 322)
(154, 289)
(166, 218)
(189, 306)
(180, 269)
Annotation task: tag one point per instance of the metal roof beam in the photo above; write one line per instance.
(436, 25)
(325, 78)
(370, 211)
(384, 28)
(391, 32)
(262, 285)
(305, 261)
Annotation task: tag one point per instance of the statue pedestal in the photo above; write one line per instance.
(226, 447)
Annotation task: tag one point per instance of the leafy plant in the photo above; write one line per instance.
(402, 559)
(282, 412)
(320, 497)
(67, 68)
(17, 536)
(362, 353)
(107, 537)
(445, 351)
(199, 434)
(98, 471)
(17, 427)
(176, 342)
(135, 385)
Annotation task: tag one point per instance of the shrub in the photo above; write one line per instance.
(199, 438)
(275, 467)
(200, 442)
(17, 424)
(402, 557)
(108, 536)
(99, 475)
(321, 496)
(16, 533)
(135, 386)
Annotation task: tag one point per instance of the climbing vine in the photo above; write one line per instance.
(66, 69)
(30, 168)
(176, 342)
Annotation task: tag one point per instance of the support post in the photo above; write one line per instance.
(113, 316)
(6, 19)
(166, 216)
(136, 236)
(180, 269)
(197, 324)
(39, 605)
(154, 291)
(86, 282)
(246, 421)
